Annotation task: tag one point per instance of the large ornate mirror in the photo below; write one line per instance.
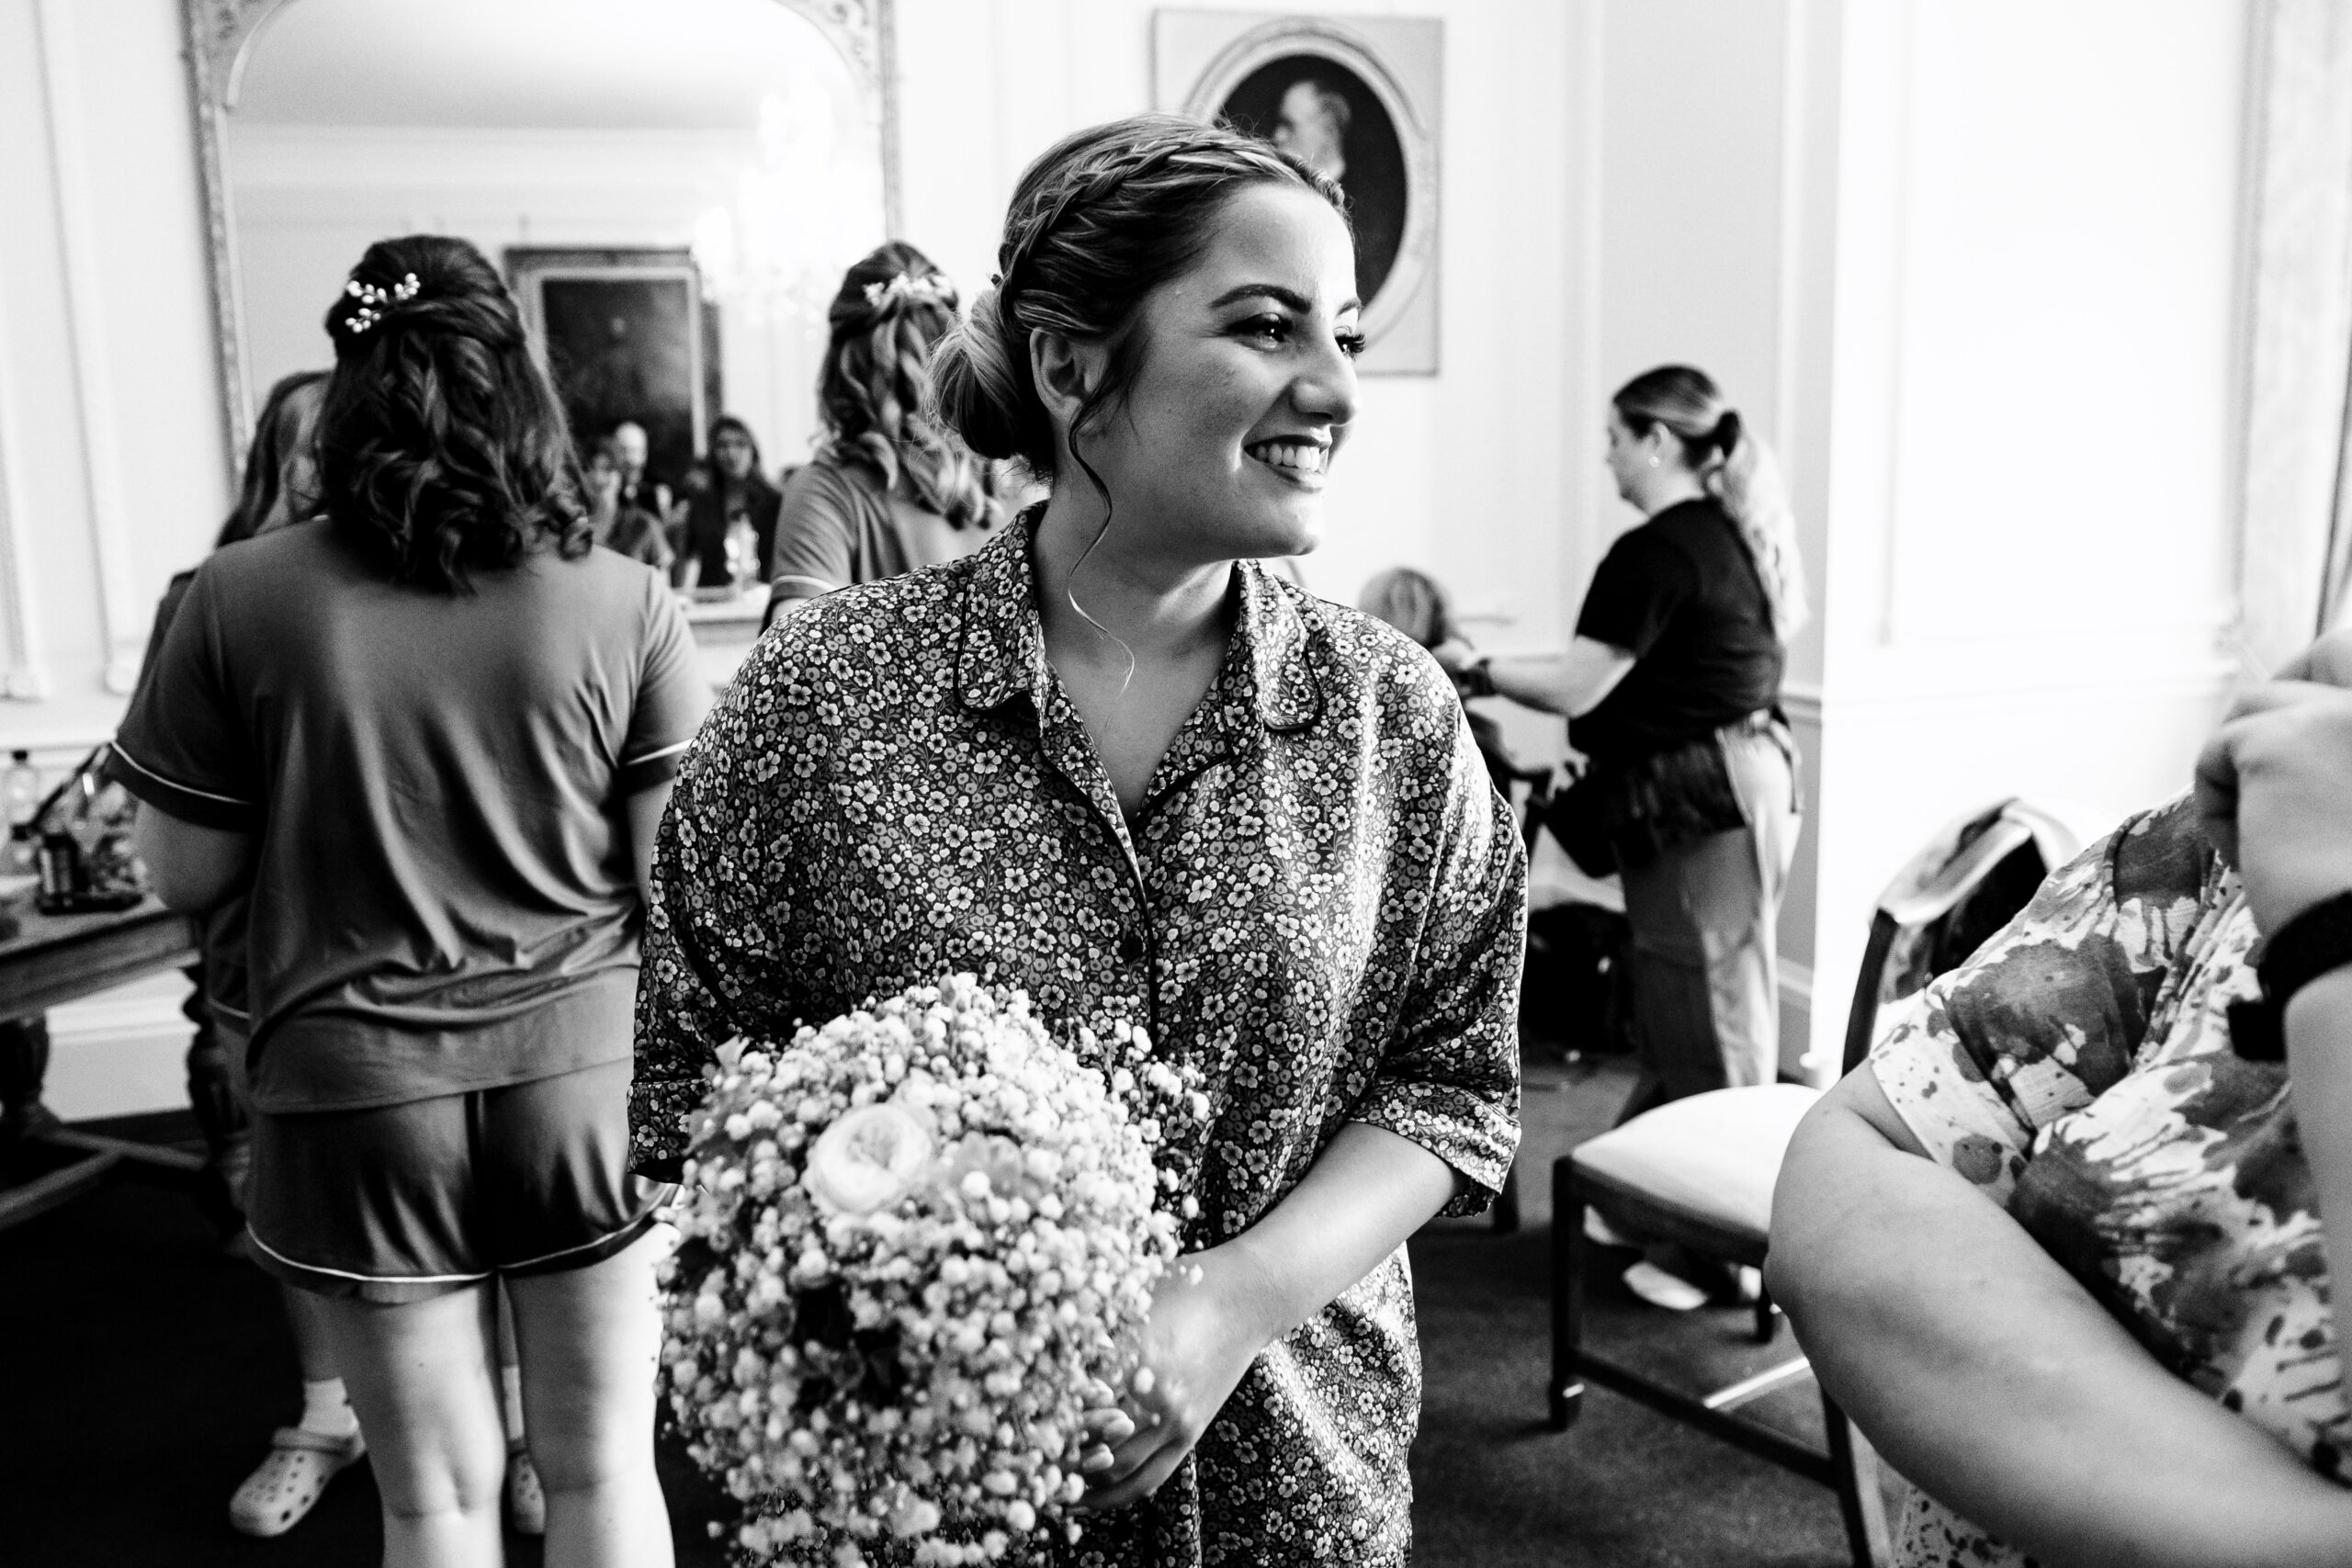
(673, 185)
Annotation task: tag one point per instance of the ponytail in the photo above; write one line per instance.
(1746, 481)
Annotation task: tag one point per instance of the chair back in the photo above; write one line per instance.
(1971, 879)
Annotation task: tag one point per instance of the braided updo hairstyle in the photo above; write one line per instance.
(873, 389)
(442, 448)
(1104, 217)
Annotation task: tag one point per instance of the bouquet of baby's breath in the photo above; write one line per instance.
(918, 1244)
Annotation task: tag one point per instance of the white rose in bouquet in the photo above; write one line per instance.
(915, 1244)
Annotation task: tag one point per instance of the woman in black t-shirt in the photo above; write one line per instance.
(1672, 687)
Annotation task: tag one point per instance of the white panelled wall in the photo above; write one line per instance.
(1970, 263)
(110, 434)
(2032, 395)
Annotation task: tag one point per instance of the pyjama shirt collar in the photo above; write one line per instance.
(1004, 652)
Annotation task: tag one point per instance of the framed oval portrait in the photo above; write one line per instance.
(1357, 99)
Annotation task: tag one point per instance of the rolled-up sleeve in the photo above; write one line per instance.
(670, 696)
(184, 746)
(1449, 1078)
(814, 536)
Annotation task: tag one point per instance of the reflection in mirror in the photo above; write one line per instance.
(676, 184)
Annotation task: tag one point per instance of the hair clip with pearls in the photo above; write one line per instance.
(373, 301)
(901, 288)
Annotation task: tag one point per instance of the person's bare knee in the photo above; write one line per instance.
(420, 1376)
(590, 1343)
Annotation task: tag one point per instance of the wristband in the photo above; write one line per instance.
(1477, 677)
(2313, 943)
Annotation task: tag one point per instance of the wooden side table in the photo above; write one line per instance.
(50, 960)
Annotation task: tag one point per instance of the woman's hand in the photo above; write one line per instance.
(1208, 1322)
(1455, 656)
(2271, 790)
(1367, 1191)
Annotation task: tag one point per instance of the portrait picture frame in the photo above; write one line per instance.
(1364, 88)
(625, 333)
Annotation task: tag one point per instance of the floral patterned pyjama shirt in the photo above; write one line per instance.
(2078, 1070)
(1321, 906)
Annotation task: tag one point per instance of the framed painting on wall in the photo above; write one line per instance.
(1358, 97)
(626, 334)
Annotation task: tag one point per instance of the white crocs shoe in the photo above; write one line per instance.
(526, 1500)
(289, 1482)
(1661, 1288)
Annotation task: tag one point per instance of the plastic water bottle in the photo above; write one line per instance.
(20, 794)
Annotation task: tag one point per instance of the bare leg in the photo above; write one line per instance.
(421, 1376)
(591, 1341)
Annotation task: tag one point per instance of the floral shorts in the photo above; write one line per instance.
(403, 1203)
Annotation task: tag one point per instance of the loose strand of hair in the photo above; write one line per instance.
(1069, 582)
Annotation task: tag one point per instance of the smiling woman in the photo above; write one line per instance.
(1113, 761)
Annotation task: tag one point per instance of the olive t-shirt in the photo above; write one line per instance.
(443, 898)
(1680, 593)
(841, 526)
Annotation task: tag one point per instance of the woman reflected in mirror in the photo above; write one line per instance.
(618, 526)
(731, 510)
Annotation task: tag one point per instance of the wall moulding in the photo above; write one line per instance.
(221, 38)
(122, 610)
(2297, 323)
(23, 677)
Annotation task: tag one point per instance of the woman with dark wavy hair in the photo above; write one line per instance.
(1112, 760)
(890, 488)
(730, 511)
(433, 731)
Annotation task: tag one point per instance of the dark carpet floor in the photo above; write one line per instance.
(143, 1370)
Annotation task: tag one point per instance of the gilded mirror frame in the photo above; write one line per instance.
(220, 34)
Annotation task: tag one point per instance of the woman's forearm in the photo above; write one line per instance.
(1368, 1192)
(2319, 1075)
(1988, 1374)
(191, 868)
(1571, 684)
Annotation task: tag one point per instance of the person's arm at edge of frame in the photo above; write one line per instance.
(191, 868)
(1981, 1369)
(2270, 794)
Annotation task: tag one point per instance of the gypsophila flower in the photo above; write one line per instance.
(916, 1243)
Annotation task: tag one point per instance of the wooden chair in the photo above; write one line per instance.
(1699, 1171)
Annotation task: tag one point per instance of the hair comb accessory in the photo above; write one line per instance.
(904, 287)
(373, 301)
